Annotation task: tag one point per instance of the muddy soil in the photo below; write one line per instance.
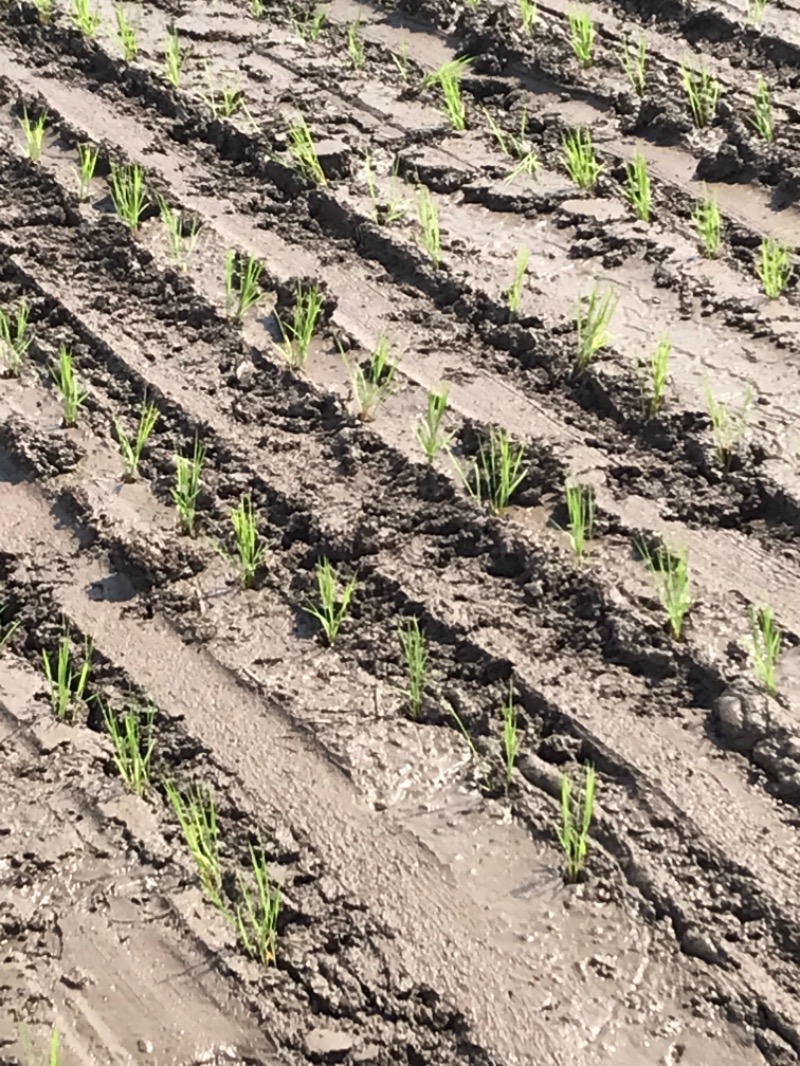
(426, 913)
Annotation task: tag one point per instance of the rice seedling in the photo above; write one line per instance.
(766, 645)
(774, 267)
(133, 738)
(580, 517)
(242, 289)
(400, 60)
(514, 297)
(453, 69)
(32, 1057)
(334, 600)
(581, 35)
(653, 374)
(708, 221)
(431, 438)
(634, 63)
(702, 91)
(428, 215)
(127, 34)
(593, 315)
(250, 550)
(310, 25)
(510, 734)
(384, 211)
(355, 45)
(472, 4)
(755, 11)
(670, 572)
(86, 20)
(762, 119)
(498, 471)
(580, 159)
(197, 816)
(66, 679)
(128, 193)
(637, 187)
(576, 820)
(372, 383)
(473, 751)
(181, 236)
(257, 8)
(298, 333)
(223, 99)
(188, 480)
(72, 396)
(15, 339)
(44, 9)
(449, 77)
(304, 152)
(7, 629)
(728, 427)
(415, 654)
(529, 13)
(174, 58)
(256, 916)
(516, 147)
(131, 450)
(87, 163)
(34, 134)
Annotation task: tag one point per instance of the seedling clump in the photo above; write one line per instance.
(582, 33)
(385, 212)
(182, 236)
(671, 575)
(34, 134)
(334, 602)
(774, 267)
(707, 219)
(72, 396)
(634, 63)
(86, 20)
(415, 653)
(580, 517)
(14, 339)
(304, 151)
(515, 291)
(637, 188)
(702, 90)
(355, 45)
(428, 214)
(298, 333)
(431, 438)
(132, 450)
(242, 290)
(87, 162)
(728, 426)
(7, 629)
(310, 26)
(761, 119)
(593, 316)
(197, 816)
(510, 734)
(516, 146)
(766, 648)
(448, 77)
(128, 193)
(188, 477)
(174, 58)
(373, 384)
(256, 916)
(653, 375)
(134, 740)
(127, 34)
(576, 820)
(580, 159)
(497, 473)
(67, 681)
(529, 13)
(250, 551)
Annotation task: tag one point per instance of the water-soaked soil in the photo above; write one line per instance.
(425, 914)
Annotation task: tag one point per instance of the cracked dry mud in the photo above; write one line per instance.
(425, 916)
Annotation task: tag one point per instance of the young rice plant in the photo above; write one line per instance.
(580, 159)
(529, 13)
(593, 316)
(637, 187)
(516, 146)
(498, 471)
(298, 333)
(34, 134)
(256, 916)
(188, 479)
(128, 193)
(7, 629)
(67, 680)
(127, 34)
(510, 734)
(576, 820)
(181, 236)
(728, 427)
(581, 34)
(174, 58)
(250, 551)
(310, 26)
(755, 11)
(774, 267)
(133, 738)
(766, 638)
(334, 602)
(86, 20)
(87, 164)
(428, 214)
(580, 517)
(432, 439)
(707, 219)
(15, 339)
(515, 291)
(670, 572)
(304, 152)
(197, 815)
(72, 396)
(355, 45)
(242, 289)
(415, 654)
(372, 383)
(762, 119)
(634, 63)
(702, 91)
(131, 450)
(653, 375)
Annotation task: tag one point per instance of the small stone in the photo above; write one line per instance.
(145, 1046)
(245, 373)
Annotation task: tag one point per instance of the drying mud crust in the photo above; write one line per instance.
(399, 431)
